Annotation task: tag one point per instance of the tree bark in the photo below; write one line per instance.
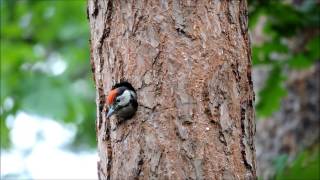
(190, 63)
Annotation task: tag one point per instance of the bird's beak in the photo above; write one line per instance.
(110, 112)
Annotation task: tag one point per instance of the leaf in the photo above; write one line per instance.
(305, 166)
(299, 61)
(261, 54)
(5, 141)
(271, 95)
(281, 162)
(45, 97)
(313, 48)
(306, 59)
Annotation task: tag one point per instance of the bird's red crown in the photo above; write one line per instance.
(112, 96)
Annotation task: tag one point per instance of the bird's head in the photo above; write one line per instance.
(122, 98)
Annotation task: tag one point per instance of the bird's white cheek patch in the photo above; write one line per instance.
(124, 98)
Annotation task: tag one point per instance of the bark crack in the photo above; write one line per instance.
(243, 138)
(95, 8)
(181, 31)
(140, 163)
(109, 148)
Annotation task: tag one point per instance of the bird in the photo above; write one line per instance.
(122, 101)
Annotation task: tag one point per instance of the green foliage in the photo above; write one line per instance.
(305, 166)
(286, 23)
(280, 163)
(308, 57)
(272, 93)
(5, 143)
(292, 42)
(38, 40)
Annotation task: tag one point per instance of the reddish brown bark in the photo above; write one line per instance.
(190, 64)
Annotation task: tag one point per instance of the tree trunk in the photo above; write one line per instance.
(190, 63)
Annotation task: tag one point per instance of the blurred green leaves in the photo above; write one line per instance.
(292, 40)
(280, 163)
(272, 93)
(305, 166)
(45, 65)
(307, 58)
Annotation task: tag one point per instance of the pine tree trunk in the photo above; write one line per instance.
(190, 63)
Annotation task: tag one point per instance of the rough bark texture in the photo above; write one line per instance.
(190, 64)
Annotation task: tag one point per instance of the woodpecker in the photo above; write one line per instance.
(122, 101)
